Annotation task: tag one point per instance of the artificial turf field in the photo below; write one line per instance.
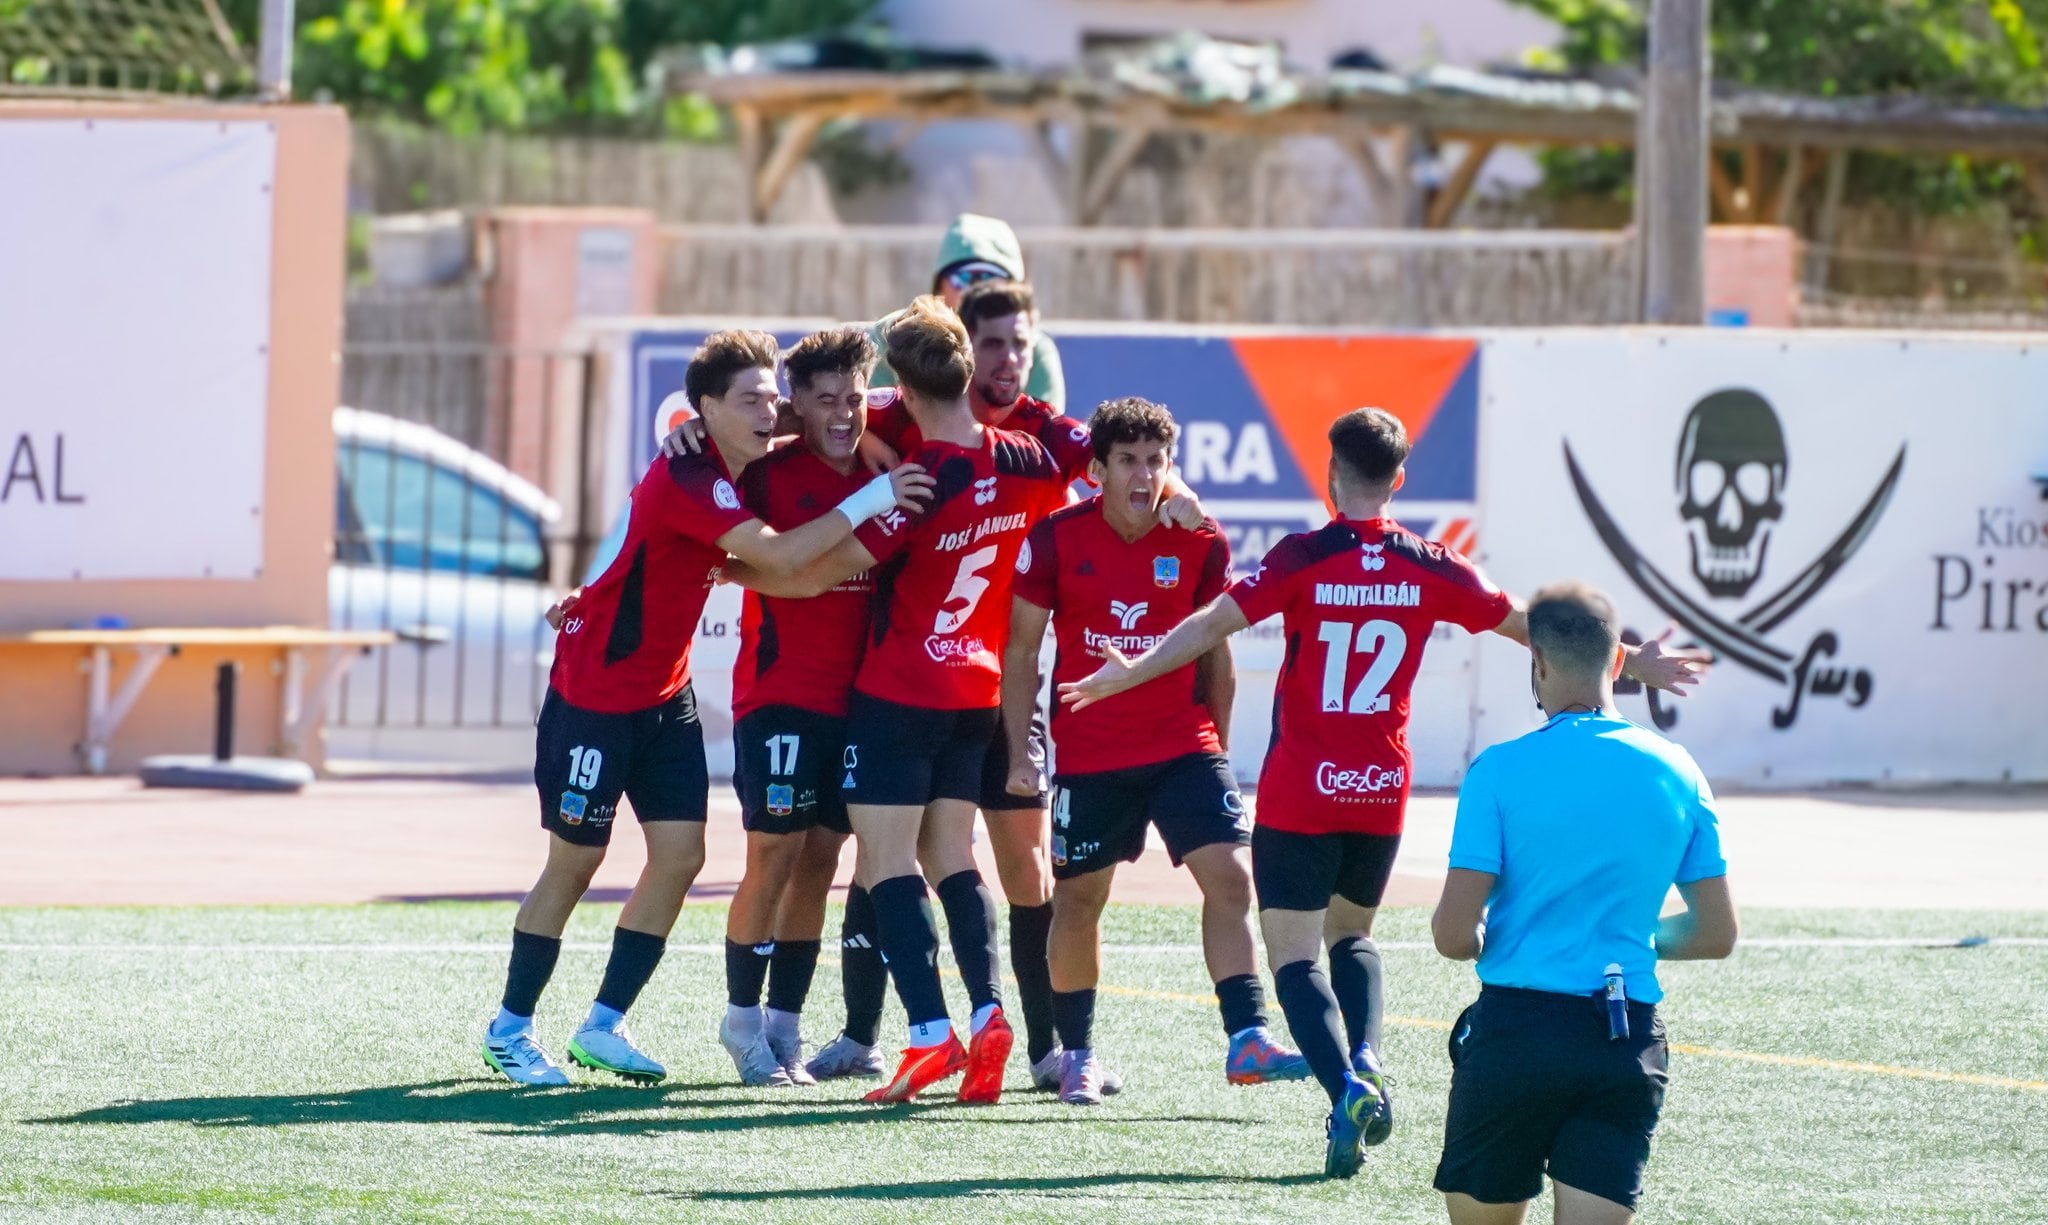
(328, 1070)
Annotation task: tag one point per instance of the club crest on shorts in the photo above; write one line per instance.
(1059, 851)
(573, 806)
(1166, 572)
(781, 799)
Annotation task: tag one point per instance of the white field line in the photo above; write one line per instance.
(497, 949)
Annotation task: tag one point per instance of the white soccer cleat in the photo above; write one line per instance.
(612, 1050)
(842, 1056)
(1046, 1073)
(789, 1053)
(751, 1057)
(521, 1059)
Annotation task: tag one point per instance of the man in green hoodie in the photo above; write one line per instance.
(975, 249)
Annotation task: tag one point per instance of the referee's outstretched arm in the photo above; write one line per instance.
(1705, 930)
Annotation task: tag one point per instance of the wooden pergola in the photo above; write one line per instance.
(1777, 143)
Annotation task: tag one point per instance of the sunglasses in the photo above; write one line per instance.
(962, 278)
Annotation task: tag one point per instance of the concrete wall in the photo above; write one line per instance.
(42, 689)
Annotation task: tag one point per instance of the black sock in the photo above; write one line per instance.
(746, 968)
(1030, 932)
(1359, 983)
(863, 979)
(1073, 1014)
(634, 956)
(1242, 1000)
(1312, 1017)
(790, 968)
(971, 926)
(533, 963)
(910, 945)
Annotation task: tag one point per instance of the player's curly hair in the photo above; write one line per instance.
(723, 355)
(1371, 444)
(1127, 420)
(995, 300)
(929, 350)
(833, 351)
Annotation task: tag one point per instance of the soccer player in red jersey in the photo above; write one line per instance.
(791, 683)
(620, 717)
(1001, 318)
(1104, 572)
(927, 698)
(1359, 599)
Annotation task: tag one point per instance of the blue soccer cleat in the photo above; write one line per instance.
(1365, 1064)
(1348, 1118)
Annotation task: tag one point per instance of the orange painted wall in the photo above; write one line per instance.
(43, 689)
(1754, 268)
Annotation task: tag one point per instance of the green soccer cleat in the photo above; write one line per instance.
(1342, 1155)
(612, 1050)
(1365, 1064)
(521, 1059)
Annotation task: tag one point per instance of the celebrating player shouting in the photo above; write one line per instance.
(926, 700)
(790, 687)
(1359, 598)
(621, 719)
(1105, 573)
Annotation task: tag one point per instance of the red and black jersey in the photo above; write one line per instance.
(800, 653)
(1103, 590)
(1359, 600)
(1066, 439)
(941, 615)
(626, 645)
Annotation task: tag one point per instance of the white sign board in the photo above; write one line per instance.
(134, 348)
(1849, 523)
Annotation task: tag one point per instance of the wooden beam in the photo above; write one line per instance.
(792, 145)
(1723, 188)
(1785, 200)
(1454, 191)
(1752, 183)
(746, 125)
(1830, 220)
(1103, 179)
(1387, 198)
(1672, 165)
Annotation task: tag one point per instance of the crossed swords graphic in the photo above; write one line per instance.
(1742, 640)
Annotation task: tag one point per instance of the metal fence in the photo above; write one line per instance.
(1315, 278)
(460, 515)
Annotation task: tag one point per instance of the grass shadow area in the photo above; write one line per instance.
(962, 1188)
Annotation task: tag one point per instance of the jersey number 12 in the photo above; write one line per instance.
(1385, 641)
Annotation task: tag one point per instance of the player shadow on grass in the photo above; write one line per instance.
(574, 1111)
(957, 1188)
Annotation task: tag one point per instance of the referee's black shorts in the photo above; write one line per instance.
(1537, 1087)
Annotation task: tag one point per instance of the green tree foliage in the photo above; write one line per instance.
(513, 65)
(1981, 51)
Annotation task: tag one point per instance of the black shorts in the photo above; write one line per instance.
(912, 755)
(995, 771)
(1537, 1087)
(786, 767)
(584, 760)
(1100, 818)
(1304, 871)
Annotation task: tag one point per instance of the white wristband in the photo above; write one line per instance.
(877, 497)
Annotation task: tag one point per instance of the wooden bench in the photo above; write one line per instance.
(106, 707)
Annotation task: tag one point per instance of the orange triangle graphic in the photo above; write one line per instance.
(1308, 381)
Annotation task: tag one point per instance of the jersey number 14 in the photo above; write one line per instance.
(1384, 641)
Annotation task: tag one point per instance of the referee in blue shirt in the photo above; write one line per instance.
(1566, 844)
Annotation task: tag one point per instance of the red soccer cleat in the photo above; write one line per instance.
(922, 1067)
(986, 1058)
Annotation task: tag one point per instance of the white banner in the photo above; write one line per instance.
(134, 334)
(1849, 522)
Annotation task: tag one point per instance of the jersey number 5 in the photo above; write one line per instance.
(1385, 641)
(968, 585)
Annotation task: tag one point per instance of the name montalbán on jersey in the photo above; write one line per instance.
(1370, 595)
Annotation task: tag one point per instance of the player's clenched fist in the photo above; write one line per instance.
(559, 611)
(913, 485)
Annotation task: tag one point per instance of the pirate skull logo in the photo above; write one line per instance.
(1730, 477)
